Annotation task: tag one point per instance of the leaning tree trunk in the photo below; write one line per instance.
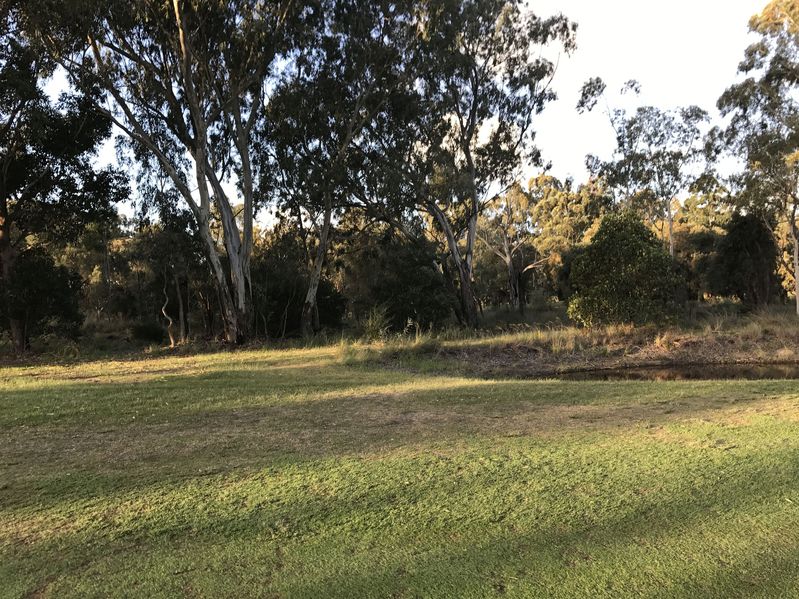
(166, 314)
(309, 306)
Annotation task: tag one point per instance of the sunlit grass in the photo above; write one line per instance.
(314, 473)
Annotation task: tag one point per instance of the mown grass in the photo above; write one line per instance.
(298, 473)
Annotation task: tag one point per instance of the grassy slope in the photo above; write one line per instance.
(286, 474)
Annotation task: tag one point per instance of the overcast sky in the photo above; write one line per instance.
(682, 52)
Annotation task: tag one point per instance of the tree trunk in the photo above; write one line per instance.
(309, 306)
(188, 305)
(447, 274)
(181, 314)
(795, 240)
(671, 229)
(166, 314)
(513, 286)
(230, 316)
(8, 258)
(467, 300)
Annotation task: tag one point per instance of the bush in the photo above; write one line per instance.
(624, 276)
(376, 325)
(745, 263)
(401, 279)
(149, 332)
(42, 296)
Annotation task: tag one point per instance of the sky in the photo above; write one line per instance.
(682, 52)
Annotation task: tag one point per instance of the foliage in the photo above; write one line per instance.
(484, 79)
(564, 217)
(746, 261)
(623, 275)
(398, 276)
(698, 226)
(280, 279)
(49, 186)
(376, 325)
(764, 123)
(42, 296)
(150, 332)
(655, 157)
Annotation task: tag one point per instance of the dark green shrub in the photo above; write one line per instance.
(42, 296)
(401, 279)
(624, 276)
(745, 262)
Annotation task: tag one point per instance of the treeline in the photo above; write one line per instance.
(296, 166)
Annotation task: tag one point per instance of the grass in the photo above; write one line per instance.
(310, 473)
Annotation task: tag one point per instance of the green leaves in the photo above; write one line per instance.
(623, 276)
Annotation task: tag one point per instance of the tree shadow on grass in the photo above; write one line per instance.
(677, 546)
(380, 540)
(165, 434)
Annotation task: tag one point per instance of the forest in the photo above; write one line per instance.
(296, 301)
(296, 169)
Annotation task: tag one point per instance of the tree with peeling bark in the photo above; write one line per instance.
(188, 82)
(49, 189)
(764, 128)
(484, 81)
(340, 84)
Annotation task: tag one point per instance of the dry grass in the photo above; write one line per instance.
(770, 336)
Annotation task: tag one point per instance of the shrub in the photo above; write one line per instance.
(149, 332)
(745, 263)
(624, 276)
(401, 278)
(42, 296)
(377, 324)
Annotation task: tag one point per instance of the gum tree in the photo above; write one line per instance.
(49, 188)
(656, 155)
(764, 127)
(340, 86)
(187, 81)
(484, 80)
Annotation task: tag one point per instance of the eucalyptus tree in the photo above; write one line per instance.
(506, 228)
(484, 80)
(764, 126)
(656, 156)
(340, 85)
(563, 216)
(188, 81)
(49, 188)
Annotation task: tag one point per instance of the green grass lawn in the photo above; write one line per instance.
(290, 474)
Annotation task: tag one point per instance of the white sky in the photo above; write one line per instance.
(682, 52)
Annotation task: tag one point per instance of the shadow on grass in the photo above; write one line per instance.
(113, 440)
(379, 536)
(680, 545)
